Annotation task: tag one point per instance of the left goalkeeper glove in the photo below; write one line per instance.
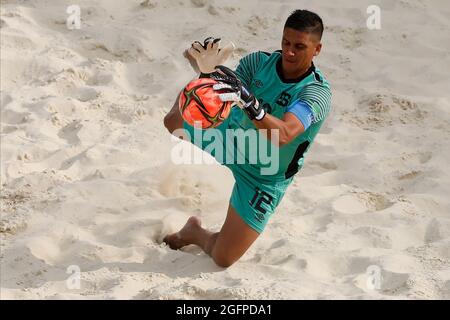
(208, 55)
(237, 92)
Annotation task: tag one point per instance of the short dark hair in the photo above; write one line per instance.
(305, 21)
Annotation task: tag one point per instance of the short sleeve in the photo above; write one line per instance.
(318, 98)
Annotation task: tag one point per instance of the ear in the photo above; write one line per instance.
(318, 48)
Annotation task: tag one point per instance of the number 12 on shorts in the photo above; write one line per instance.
(260, 197)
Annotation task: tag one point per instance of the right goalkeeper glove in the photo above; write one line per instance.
(235, 91)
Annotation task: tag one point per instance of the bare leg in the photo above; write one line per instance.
(225, 247)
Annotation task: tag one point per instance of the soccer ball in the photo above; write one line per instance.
(200, 104)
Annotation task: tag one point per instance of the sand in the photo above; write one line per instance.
(88, 180)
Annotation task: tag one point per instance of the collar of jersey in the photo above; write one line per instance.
(303, 76)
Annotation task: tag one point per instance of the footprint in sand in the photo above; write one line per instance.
(332, 267)
(382, 110)
(378, 237)
(432, 232)
(349, 204)
(13, 117)
(351, 38)
(70, 132)
(394, 283)
(85, 94)
(360, 202)
(376, 279)
(291, 262)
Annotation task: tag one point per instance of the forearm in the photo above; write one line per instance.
(275, 128)
(279, 131)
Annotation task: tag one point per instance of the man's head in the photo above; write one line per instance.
(301, 41)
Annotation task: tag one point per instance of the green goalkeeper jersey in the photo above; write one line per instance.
(261, 73)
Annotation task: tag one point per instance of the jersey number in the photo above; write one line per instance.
(260, 197)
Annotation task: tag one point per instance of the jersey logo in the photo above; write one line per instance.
(283, 99)
(258, 83)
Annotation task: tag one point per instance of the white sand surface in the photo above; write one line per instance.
(87, 177)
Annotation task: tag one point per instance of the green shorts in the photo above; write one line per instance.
(253, 198)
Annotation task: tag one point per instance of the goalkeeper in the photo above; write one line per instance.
(282, 92)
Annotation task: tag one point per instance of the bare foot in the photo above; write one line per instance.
(183, 237)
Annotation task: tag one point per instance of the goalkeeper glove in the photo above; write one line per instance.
(237, 92)
(208, 55)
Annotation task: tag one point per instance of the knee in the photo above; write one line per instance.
(168, 122)
(172, 122)
(223, 261)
